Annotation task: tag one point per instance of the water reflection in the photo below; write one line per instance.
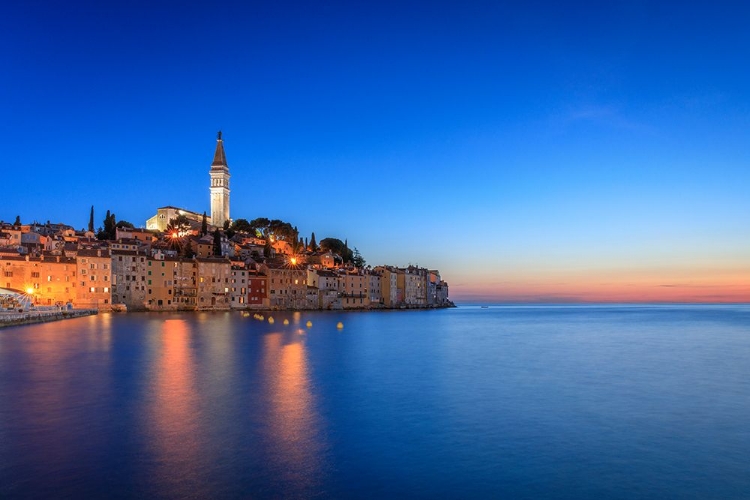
(295, 442)
(173, 412)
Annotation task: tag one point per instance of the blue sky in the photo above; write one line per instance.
(523, 148)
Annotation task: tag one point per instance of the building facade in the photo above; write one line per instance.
(219, 185)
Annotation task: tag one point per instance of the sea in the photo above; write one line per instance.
(514, 401)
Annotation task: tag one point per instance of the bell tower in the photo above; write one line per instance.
(219, 185)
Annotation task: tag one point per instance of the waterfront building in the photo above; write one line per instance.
(353, 286)
(48, 279)
(185, 278)
(129, 274)
(287, 286)
(94, 267)
(238, 290)
(374, 289)
(213, 283)
(257, 286)
(389, 290)
(413, 281)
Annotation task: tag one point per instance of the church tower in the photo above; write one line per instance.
(219, 185)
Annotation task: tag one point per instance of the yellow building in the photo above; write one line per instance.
(48, 279)
(94, 273)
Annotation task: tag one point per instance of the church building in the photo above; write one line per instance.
(219, 195)
(219, 185)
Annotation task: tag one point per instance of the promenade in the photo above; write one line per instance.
(41, 315)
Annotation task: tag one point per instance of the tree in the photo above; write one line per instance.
(357, 259)
(125, 224)
(91, 219)
(242, 226)
(17, 223)
(313, 244)
(217, 242)
(259, 226)
(186, 249)
(337, 246)
(204, 225)
(110, 228)
(178, 226)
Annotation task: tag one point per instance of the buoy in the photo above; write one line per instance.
(286, 321)
(271, 320)
(340, 325)
(309, 323)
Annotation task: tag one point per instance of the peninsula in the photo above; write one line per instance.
(184, 260)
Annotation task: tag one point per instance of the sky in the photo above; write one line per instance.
(530, 151)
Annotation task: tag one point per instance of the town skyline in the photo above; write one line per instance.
(555, 154)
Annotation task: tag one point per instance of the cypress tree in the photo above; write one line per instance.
(204, 225)
(217, 243)
(91, 219)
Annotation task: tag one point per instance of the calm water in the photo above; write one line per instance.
(505, 402)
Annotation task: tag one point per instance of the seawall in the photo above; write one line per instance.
(31, 317)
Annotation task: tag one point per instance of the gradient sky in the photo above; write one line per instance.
(531, 151)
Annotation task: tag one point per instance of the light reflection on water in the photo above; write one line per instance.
(173, 410)
(585, 402)
(293, 421)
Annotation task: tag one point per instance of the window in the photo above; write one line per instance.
(35, 275)
(92, 289)
(106, 289)
(8, 274)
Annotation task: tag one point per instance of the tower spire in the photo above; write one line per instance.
(220, 159)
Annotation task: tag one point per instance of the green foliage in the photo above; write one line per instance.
(313, 243)
(338, 247)
(217, 243)
(357, 259)
(243, 226)
(204, 225)
(91, 219)
(186, 250)
(18, 221)
(125, 224)
(264, 228)
(109, 232)
(180, 224)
